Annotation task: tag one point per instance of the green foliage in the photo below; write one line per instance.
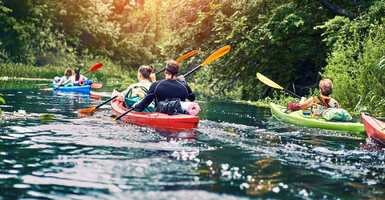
(276, 38)
(287, 40)
(116, 29)
(356, 64)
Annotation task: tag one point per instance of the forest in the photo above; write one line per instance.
(293, 42)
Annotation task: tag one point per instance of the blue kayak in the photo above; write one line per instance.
(80, 89)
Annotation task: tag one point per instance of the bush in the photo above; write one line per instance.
(357, 69)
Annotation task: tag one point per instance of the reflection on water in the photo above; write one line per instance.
(238, 151)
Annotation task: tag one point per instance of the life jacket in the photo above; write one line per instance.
(321, 104)
(138, 89)
(136, 93)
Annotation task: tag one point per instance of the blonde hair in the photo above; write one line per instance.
(326, 87)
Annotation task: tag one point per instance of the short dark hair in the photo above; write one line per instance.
(172, 67)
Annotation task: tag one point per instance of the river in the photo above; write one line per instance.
(238, 151)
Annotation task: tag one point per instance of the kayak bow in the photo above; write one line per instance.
(374, 128)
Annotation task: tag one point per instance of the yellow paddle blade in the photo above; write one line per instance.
(86, 110)
(268, 82)
(220, 52)
(189, 54)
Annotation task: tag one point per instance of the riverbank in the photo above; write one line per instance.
(108, 74)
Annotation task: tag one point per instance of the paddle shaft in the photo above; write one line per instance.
(100, 105)
(180, 59)
(157, 73)
(122, 115)
(272, 84)
(292, 93)
(186, 74)
(192, 71)
(86, 72)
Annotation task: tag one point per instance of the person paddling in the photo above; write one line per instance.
(322, 102)
(168, 90)
(78, 79)
(145, 78)
(65, 80)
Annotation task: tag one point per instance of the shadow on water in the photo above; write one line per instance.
(237, 151)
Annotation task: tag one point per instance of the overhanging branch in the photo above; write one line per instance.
(336, 9)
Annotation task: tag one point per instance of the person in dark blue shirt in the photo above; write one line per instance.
(167, 89)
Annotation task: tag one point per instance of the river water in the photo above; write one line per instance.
(238, 151)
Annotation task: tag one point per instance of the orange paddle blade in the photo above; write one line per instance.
(86, 110)
(95, 67)
(189, 54)
(219, 53)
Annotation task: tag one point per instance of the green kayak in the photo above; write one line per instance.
(298, 118)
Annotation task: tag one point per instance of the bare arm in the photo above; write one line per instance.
(65, 82)
(306, 103)
(152, 77)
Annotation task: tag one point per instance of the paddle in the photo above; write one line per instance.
(95, 67)
(217, 54)
(180, 59)
(272, 84)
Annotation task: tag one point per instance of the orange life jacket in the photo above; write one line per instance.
(322, 101)
(319, 105)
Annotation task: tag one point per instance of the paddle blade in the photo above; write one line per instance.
(189, 54)
(87, 110)
(95, 67)
(219, 53)
(96, 85)
(268, 82)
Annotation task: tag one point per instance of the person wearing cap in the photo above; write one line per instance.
(169, 88)
(322, 102)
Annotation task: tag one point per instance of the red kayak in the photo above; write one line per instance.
(159, 121)
(374, 128)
